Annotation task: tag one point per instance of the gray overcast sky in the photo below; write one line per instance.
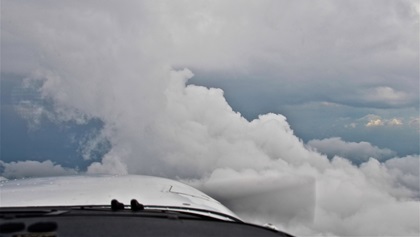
(324, 90)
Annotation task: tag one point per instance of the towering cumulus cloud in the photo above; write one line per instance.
(123, 63)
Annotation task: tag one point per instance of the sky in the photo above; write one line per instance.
(318, 98)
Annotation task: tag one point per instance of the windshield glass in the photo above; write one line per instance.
(303, 114)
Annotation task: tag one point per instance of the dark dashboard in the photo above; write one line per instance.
(106, 221)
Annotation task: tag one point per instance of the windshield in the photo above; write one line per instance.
(302, 114)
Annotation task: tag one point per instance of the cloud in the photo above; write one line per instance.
(347, 200)
(92, 145)
(351, 125)
(415, 122)
(242, 163)
(406, 171)
(27, 169)
(375, 123)
(115, 63)
(33, 113)
(395, 122)
(357, 152)
(338, 44)
(386, 95)
(372, 120)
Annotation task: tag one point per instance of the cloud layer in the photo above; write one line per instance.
(355, 151)
(26, 169)
(115, 62)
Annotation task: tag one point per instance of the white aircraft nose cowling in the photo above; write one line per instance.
(100, 190)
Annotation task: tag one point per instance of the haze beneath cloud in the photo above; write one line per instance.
(127, 64)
